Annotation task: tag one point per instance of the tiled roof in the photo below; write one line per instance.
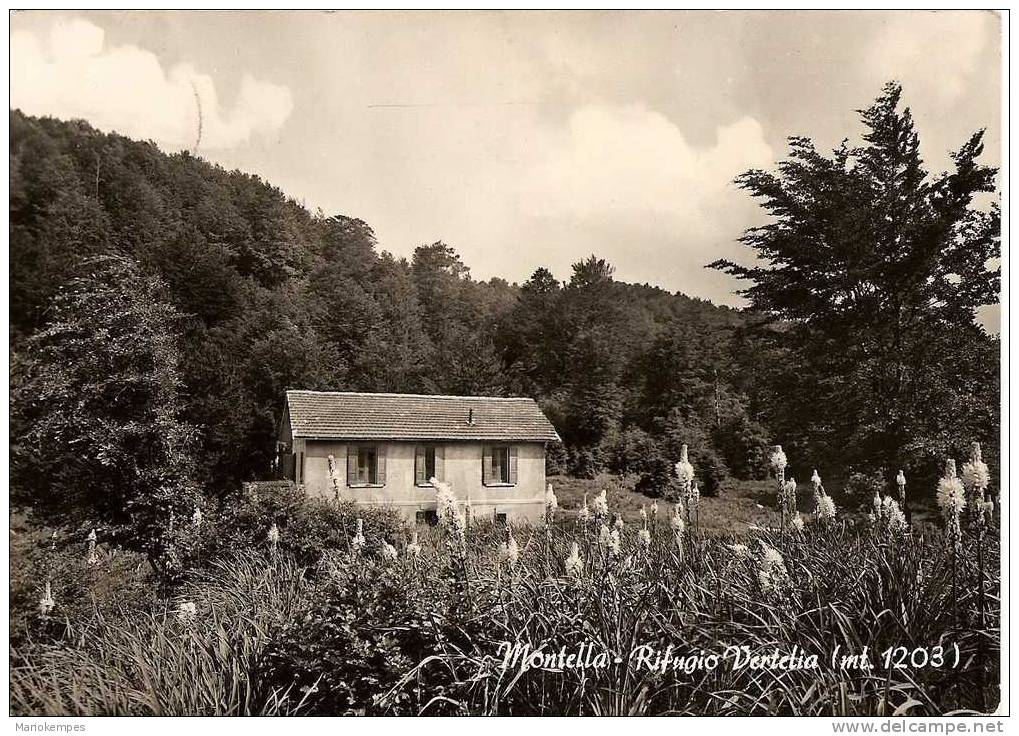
(356, 416)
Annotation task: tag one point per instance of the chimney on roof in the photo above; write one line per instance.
(470, 417)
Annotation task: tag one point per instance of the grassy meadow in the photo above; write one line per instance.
(363, 615)
(742, 504)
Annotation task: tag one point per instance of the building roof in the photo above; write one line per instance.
(336, 415)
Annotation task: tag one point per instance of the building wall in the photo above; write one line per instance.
(460, 467)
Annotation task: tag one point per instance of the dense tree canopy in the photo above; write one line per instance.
(269, 296)
(868, 277)
(860, 345)
(98, 422)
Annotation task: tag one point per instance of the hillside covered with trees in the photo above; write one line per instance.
(246, 294)
(161, 306)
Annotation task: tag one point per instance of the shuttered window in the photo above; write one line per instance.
(486, 466)
(366, 465)
(499, 465)
(380, 465)
(427, 464)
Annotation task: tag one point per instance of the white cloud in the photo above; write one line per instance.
(72, 74)
(932, 53)
(479, 146)
(512, 189)
(628, 181)
(619, 161)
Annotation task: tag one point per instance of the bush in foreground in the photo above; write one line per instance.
(380, 624)
(194, 657)
(836, 585)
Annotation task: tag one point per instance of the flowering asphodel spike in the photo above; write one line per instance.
(975, 476)
(413, 549)
(551, 504)
(574, 563)
(952, 500)
(510, 551)
(93, 556)
(47, 603)
(584, 515)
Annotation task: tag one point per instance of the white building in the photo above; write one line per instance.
(382, 449)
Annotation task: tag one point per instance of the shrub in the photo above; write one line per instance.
(586, 462)
(308, 527)
(118, 579)
(319, 527)
(744, 445)
(709, 469)
(557, 461)
(659, 481)
(370, 627)
(680, 430)
(243, 518)
(861, 487)
(632, 451)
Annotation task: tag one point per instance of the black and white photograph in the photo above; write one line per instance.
(508, 363)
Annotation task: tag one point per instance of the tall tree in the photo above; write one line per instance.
(872, 269)
(530, 336)
(97, 421)
(465, 360)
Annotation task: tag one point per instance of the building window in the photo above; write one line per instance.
(499, 465)
(500, 519)
(429, 517)
(429, 462)
(427, 459)
(366, 465)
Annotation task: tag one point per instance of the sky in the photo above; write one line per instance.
(522, 139)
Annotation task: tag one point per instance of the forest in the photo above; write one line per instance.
(161, 305)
